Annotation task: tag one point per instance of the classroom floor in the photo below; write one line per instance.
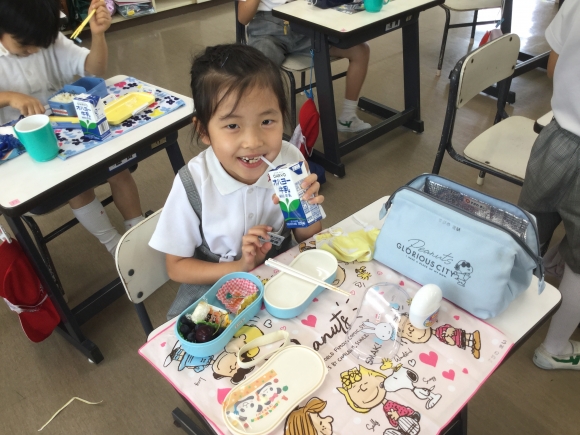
(37, 379)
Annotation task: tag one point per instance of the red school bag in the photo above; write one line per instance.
(23, 292)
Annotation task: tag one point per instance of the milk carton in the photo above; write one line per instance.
(91, 112)
(286, 180)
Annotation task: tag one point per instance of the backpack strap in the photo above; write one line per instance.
(202, 252)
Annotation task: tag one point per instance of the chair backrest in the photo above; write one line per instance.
(489, 64)
(141, 268)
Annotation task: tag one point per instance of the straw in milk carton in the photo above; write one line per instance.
(287, 180)
(91, 112)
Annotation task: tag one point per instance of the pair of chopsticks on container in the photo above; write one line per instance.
(291, 271)
(83, 24)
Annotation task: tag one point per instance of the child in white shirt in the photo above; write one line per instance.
(273, 37)
(36, 60)
(222, 202)
(552, 186)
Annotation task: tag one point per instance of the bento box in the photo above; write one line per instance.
(286, 296)
(85, 85)
(236, 321)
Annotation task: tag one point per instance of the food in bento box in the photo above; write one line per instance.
(63, 97)
(204, 324)
(237, 294)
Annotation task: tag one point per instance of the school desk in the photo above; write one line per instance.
(327, 27)
(28, 184)
(521, 319)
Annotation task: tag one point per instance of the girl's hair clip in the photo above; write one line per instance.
(225, 60)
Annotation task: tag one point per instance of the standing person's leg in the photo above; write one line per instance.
(126, 197)
(358, 62)
(551, 191)
(91, 214)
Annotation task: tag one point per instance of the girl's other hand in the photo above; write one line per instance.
(312, 187)
(101, 21)
(253, 250)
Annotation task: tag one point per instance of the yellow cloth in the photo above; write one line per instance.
(358, 246)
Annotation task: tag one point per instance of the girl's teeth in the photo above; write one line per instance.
(252, 160)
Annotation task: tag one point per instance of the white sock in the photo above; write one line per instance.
(130, 223)
(348, 110)
(566, 319)
(94, 218)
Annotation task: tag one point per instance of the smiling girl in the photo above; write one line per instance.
(221, 202)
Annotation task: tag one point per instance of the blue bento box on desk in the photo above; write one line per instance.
(85, 85)
(237, 321)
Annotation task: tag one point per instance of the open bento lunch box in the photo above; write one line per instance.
(85, 85)
(286, 296)
(234, 289)
(263, 401)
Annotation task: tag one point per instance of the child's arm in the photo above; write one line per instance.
(96, 62)
(312, 187)
(246, 10)
(193, 271)
(26, 104)
(552, 60)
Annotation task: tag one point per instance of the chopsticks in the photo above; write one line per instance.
(291, 271)
(83, 24)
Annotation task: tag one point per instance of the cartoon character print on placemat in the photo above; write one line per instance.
(306, 420)
(446, 334)
(72, 141)
(257, 400)
(364, 389)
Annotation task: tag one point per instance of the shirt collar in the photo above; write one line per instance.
(3, 51)
(225, 183)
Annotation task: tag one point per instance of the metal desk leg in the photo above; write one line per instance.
(330, 160)
(69, 327)
(412, 75)
(174, 154)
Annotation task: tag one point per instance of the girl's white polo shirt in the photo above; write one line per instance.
(229, 208)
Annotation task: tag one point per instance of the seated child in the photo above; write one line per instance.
(222, 202)
(36, 60)
(551, 188)
(276, 40)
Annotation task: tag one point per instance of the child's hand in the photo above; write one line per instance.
(101, 21)
(311, 195)
(26, 104)
(253, 251)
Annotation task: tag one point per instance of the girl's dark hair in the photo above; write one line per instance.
(235, 69)
(30, 22)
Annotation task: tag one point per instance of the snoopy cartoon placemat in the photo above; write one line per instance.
(434, 372)
(72, 141)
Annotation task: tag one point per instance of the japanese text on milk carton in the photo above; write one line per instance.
(91, 112)
(287, 180)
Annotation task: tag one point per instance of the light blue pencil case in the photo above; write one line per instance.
(237, 321)
(481, 251)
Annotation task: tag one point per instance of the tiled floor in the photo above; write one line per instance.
(38, 379)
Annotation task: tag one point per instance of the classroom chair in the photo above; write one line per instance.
(294, 63)
(464, 6)
(142, 271)
(43, 240)
(504, 149)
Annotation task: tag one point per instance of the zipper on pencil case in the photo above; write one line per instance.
(526, 248)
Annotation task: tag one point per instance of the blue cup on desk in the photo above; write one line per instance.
(38, 138)
(373, 5)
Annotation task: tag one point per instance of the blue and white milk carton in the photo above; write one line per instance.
(91, 112)
(286, 180)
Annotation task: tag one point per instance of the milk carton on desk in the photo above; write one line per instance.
(286, 180)
(91, 112)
